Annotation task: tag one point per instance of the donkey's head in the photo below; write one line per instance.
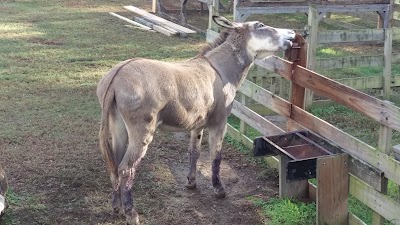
(261, 41)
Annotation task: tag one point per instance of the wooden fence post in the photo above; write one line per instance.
(385, 133)
(312, 49)
(213, 11)
(332, 190)
(296, 188)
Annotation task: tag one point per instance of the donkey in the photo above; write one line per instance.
(3, 190)
(140, 95)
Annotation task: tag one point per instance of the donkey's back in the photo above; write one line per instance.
(181, 96)
(139, 95)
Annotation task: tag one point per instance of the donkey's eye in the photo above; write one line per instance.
(259, 25)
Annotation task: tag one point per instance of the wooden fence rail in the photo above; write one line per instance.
(381, 111)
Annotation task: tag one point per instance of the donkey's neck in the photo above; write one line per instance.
(231, 63)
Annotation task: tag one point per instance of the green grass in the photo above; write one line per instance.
(282, 211)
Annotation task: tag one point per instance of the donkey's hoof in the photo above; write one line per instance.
(219, 192)
(132, 218)
(118, 211)
(190, 185)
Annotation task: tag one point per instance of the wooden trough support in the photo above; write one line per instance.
(302, 158)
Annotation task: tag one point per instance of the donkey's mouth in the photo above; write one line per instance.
(287, 44)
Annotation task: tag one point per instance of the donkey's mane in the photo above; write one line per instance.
(217, 42)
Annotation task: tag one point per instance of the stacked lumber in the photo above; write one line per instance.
(150, 22)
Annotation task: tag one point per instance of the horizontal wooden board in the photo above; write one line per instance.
(396, 33)
(272, 161)
(356, 148)
(383, 112)
(380, 203)
(254, 120)
(312, 192)
(349, 62)
(266, 98)
(348, 36)
(354, 220)
(277, 65)
(130, 21)
(396, 15)
(350, 144)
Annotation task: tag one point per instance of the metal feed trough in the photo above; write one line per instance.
(302, 147)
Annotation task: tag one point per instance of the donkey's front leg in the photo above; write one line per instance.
(216, 136)
(194, 153)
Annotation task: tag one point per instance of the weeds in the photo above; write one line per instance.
(283, 211)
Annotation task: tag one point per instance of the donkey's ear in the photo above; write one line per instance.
(223, 22)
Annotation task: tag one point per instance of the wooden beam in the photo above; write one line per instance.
(353, 146)
(349, 62)
(254, 120)
(312, 39)
(348, 36)
(166, 31)
(235, 134)
(353, 219)
(296, 189)
(213, 10)
(130, 21)
(389, 166)
(396, 33)
(158, 20)
(274, 102)
(380, 203)
(381, 111)
(278, 65)
(154, 6)
(332, 190)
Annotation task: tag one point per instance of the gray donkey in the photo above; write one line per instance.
(3, 190)
(140, 95)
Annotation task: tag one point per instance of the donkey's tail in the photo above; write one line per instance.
(107, 101)
(104, 132)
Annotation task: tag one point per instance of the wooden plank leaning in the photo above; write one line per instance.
(141, 26)
(158, 20)
(166, 31)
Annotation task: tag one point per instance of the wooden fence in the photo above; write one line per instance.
(316, 9)
(368, 189)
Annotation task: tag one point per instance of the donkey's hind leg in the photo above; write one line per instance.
(119, 137)
(140, 135)
(216, 136)
(194, 153)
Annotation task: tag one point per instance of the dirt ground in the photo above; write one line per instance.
(72, 187)
(57, 176)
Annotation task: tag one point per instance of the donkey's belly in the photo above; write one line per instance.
(182, 124)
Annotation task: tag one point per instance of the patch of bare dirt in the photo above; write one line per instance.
(63, 180)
